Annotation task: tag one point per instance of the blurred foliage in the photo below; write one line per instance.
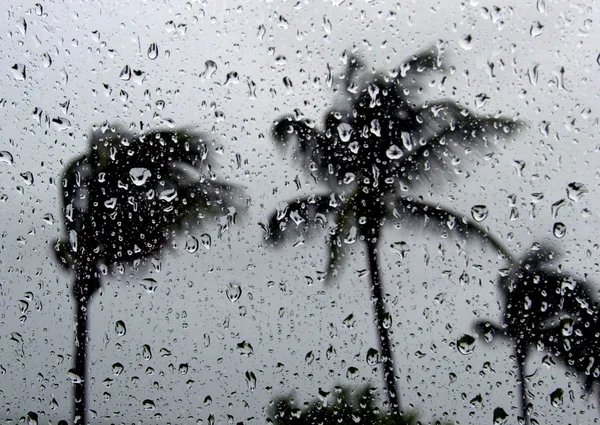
(342, 406)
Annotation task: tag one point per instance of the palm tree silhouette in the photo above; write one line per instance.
(375, 147)
(122, 201)
(536, 297)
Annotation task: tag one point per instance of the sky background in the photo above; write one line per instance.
(534, 60)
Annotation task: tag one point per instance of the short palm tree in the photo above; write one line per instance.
(122, 201)
(372, 151)
(536, 296)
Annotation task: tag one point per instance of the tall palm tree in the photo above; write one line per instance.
(122, 201)
(375, 147)
(535, 297)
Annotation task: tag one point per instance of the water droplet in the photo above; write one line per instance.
(164, 352)
(556, 397)
(559, 229)
(232, 78)
(394, 152)
(153, 51)
(74, 377)
(251, 380)
(191, 244)
(27, 178)
(233, 292)
(349, 321)
(352, 372)
(372, 357)
(125, 74)
(481, 99)
(146, 352)
(22, 26)
(466, 42)
(148, 404)
(479, 213)
(536, 29)
(117, 368)
(210, 67)
(387, 320)
(205, 240)
(32, 418)
(39, 9)
(541, 6)
(309, 358)
(61, 124)
(139, 176)
(575, 191)
(465, 344)
(288, 83)
(400, 248)
(120, 329)
(6, 157)
(19, 72)
(500, 416)
(183, 368)
(245, 349)
(168, 195)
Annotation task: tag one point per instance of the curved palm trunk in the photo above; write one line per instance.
(86, 284)
(521, 355)
(385, 346)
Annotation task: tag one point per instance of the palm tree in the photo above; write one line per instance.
(122, 201)
(536, 296)
(379, 144)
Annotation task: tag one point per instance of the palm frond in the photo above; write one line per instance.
(421, 214)
(129, 195)
(300, 216)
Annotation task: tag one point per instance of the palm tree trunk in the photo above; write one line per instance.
(81, 334)
(385, 346)
(86, 284)
(521, 354)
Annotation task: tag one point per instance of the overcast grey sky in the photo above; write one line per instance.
(535, 60)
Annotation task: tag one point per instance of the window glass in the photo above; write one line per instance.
(255, 211)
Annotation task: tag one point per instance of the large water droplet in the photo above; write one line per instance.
(352, 372)
(27, 177)
(536, 29)
(394, 152)
(309, 358)
(500, 416)
(32, 418)
(466, 42)
(245, 349)
(205, 240)
(183, 368)
(556, 397)
(345, 131)
(168, 195)
(465, 344)
(191, 244)
(146, 352)
(233, 292)
(153, 51)
(575, 191)
(148, 404)
(479, 212)
(6, 157)
(19, 72)
(125, 74)
(117, 368)
(139, 176)
(372, 357)
(210, 67)
(120, 329)
(559, 230)
(250, 380)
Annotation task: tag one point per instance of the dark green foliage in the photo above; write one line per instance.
(550, 310)
(343, 406)
(110, 216)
